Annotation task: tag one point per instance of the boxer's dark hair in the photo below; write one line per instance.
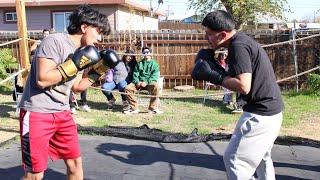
(85, 14)
(219, 21)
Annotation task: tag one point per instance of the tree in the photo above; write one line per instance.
(7, 62)
(242, 10)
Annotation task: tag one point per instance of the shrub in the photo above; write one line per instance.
(314, 83)
(7, 62)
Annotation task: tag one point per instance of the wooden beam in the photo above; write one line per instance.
(22, 33)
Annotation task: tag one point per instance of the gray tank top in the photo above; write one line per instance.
(56, 47)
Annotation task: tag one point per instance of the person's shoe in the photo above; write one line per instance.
(238, 110)
(110, 103)
(131, 111)
(125, 105)
(73, 110)
(155, 111)
(85, 108)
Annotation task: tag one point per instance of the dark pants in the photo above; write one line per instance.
(83, 100)
(111, 86)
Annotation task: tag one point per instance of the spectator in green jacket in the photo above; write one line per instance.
(145, 76)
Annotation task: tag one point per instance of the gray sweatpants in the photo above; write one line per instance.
(250, 147)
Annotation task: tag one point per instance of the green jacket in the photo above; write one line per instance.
(146, 71)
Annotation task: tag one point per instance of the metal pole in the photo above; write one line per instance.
(294, 53)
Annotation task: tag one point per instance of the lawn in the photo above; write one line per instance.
(301, 115)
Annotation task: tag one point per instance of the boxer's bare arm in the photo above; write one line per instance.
(240, 83)
(81, 83)
(48, 73)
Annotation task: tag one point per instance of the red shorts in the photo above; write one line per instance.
(46, 135)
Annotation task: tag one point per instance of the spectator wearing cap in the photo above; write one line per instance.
(145, 76)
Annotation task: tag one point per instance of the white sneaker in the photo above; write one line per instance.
(155, 111)
(85, 108)
(131, 111)
(238, 110)
(73, 110)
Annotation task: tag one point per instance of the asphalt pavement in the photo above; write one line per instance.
(114, 158)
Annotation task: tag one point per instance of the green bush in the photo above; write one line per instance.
(314, 83)
(7, 62)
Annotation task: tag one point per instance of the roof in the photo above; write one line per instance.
(39, 3)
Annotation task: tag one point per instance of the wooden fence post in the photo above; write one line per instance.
(22, 33)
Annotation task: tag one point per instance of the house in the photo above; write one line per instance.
(53, 14)
(265, 21)
(192, 19)
(302, 25)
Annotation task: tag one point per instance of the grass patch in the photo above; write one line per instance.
(300, 106)
(181, 114)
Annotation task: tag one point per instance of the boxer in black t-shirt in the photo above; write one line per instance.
(251, 74)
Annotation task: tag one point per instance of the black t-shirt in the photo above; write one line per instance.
(247, 56)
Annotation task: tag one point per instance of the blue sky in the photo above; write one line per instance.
(301, 9)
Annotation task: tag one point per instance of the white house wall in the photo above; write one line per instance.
(135, 20)
(39, 18)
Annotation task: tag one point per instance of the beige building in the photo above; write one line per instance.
(53, 14)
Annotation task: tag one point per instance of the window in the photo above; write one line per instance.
(10, 17)
(60, 21)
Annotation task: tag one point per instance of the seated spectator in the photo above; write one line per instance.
(145, 76)
(83, 103)
(222, 60)
(118, 78)
(228, 98)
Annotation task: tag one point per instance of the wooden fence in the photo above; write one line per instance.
(179, 25)
(177, 69)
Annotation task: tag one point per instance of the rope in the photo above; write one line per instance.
(290, 41)
(170, 97)
(197, 96)
(185, 54)
(162, 97)
(12, 76)
(32, 40)
(300, 74)
(10, 42)
(216, 52)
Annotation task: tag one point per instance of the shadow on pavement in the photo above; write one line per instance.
(146, 155)
(17, 172)
(297, 166)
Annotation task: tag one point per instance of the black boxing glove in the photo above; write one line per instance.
(82, 58)
(109, 59)
(203, 71)
(207, 68)
(208, 56)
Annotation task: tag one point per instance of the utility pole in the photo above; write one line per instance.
(314, 15)
(294, 53)
(22, 32)
(151, 9)
(168, 12)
